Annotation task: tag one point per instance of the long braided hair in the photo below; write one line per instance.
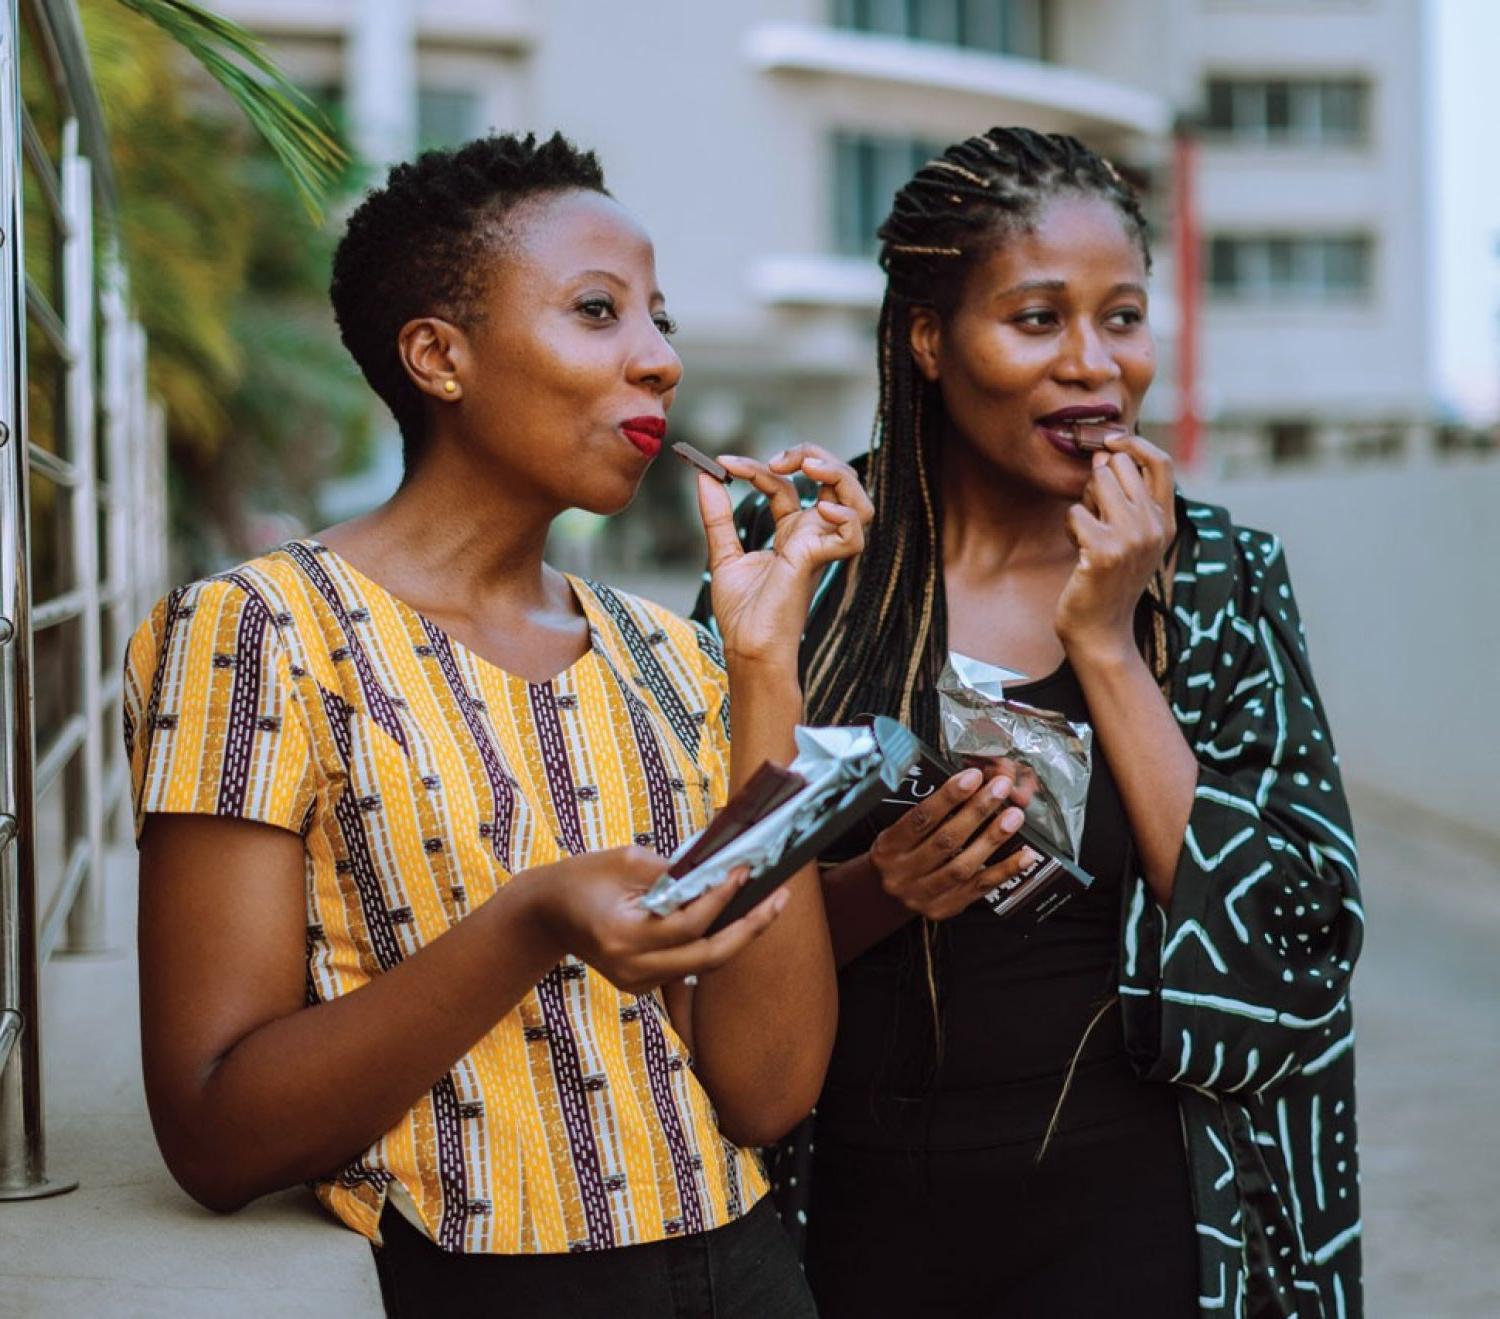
(951, 215)
(948, 217)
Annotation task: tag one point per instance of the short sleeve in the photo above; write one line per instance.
(715, 749)
(213, 724)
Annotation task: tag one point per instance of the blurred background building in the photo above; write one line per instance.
(761, 142)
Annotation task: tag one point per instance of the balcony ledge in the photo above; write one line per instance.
(851, 283)
(1063, 96)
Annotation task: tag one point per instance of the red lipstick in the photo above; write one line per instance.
(646, 433)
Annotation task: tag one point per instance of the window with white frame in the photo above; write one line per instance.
(868, 172)
(1314, 112)
(1002, 27)
(1291, 267)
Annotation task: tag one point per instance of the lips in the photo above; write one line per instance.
(1102, 413)
(646, 433)
(1060, 428)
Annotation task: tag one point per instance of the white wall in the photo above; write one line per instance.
(1395, 572)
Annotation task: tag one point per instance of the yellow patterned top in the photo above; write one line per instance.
(296, 692)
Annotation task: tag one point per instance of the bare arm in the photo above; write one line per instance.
(762, 1027)
(251, 1090)
(1123, 529)
(1153, 766)
(932, 862)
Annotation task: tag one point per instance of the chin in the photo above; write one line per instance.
(605, 498)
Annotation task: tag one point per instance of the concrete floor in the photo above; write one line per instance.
(128, 1243)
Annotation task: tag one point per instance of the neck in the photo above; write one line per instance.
(455, 529)
(992, 523)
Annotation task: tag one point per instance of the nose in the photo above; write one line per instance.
(1086, 358)
(654, 363)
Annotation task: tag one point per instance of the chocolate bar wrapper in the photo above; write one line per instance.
(981, 723)
(845, 772)
(1026, 899)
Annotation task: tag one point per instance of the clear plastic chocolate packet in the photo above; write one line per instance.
(981, 724)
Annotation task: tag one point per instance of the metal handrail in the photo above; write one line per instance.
(57, 470)
(57, 610)
(11, 1024)
(45, 171)
(51, 762)
(92, 309)
(48, 321)
(61, 907)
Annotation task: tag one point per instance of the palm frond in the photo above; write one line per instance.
(283, 115)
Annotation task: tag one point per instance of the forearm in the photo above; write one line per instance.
(763, 1025)
(300, 1096)
(1153, 766)
(860, 912)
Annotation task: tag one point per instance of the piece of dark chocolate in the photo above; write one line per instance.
(697, 458)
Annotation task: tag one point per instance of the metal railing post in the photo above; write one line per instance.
(86, 918)
(23, 1146)
(115, 415)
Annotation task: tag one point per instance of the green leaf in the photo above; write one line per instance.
(292, 126)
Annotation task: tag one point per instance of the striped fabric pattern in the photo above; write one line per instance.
(296, 692)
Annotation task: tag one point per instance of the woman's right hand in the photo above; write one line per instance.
(589, 906)
(932, 860)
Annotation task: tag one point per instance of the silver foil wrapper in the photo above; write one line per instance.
(980, 722)
(836, 763)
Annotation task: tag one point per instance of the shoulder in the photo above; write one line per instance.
(239, 606)
(1222, 561)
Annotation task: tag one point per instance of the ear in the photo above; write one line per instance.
(925, 334)
(436, 356)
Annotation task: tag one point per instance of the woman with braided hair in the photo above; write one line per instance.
(1145, 1106)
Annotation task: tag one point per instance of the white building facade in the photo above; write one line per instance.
(761, 142)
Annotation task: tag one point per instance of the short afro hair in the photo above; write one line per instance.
(416, 247)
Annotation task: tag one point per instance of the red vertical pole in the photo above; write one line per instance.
(1187, 244)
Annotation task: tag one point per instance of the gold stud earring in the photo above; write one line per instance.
(450, 387)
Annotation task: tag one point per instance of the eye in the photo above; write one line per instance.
(596, 308)
(1126, 318)
(665, 324)
(1035, 318)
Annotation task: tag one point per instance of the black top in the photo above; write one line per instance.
(1015, 1001)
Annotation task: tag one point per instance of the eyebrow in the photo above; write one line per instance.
(1061, 285)
(609, 275)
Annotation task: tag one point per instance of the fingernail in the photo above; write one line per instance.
(1000, 788)
(1029, 857)
(778, 903)
(970, 779)
(777, 457)
(1012, 818)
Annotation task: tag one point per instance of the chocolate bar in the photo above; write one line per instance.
(762, 793)
(783, 818)
(1092, 437)
(697, 458)
(1029, 896)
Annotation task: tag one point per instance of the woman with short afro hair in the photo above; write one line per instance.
(400, 786)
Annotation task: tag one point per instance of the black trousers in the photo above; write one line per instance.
(746, 1270)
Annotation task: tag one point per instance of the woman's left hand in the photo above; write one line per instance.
(761, 597)
(1123, 527)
